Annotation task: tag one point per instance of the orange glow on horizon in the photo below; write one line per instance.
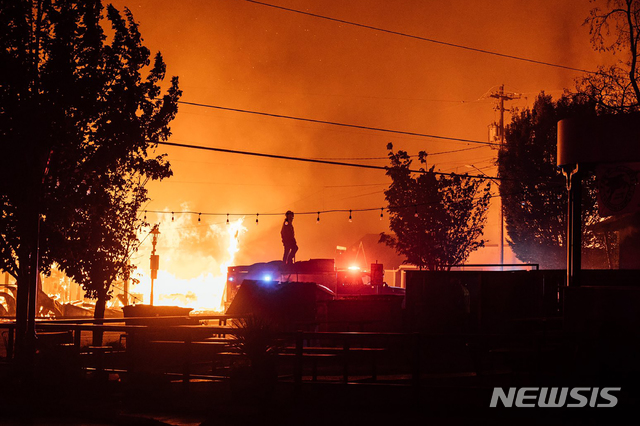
(246, 56)
(189, 276)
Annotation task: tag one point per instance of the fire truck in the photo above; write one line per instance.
(339, 283)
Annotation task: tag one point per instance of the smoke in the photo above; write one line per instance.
(246, 56)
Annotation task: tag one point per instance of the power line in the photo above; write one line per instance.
(333, 123)
(308, 93)
(430, 40)
(455, 150)
(195, 182)
(386, 158)
(358, 158)
(310, 160)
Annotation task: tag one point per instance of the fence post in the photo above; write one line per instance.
(415, 373)
(186, 371)
(10, 343)
(345, 354)
(77, 338)
(298, 360)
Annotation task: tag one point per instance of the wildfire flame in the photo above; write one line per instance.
(194, 258)
(186, 249)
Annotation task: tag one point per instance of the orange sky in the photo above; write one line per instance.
(238, 54)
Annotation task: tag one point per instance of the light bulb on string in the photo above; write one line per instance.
(318, 218)
(199, 214)
(381, 212)
(227, 218)
(172, 218)
(350, 218)
(257, 218)
(415, 214)
(145, 215)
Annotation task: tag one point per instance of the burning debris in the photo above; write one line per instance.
(192, 274)
(186, 247)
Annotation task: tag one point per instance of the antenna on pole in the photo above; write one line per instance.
(502, 96)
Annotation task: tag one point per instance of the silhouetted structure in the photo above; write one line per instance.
(368, 250)
(584, 145)
(287, 303)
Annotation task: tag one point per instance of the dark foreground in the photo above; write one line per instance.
(440, 400)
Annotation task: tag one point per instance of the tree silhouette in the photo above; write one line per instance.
(437, 219)
(533, 189)
(78, 122)
(616, 29)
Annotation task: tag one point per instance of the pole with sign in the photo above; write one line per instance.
(155, 259)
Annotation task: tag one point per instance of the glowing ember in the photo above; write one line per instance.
(193, 263)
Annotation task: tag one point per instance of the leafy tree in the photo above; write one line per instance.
(437, 219)
(615, 29)
(100, 239)
(77, 122)
(533, 190)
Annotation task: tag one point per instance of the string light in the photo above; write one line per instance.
(317, 213)
(257, 214)
(415, 214)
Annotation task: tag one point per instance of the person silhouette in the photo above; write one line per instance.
(288, 239)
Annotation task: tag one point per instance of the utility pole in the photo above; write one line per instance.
(125, 292)
(155, 259)
(501, 96)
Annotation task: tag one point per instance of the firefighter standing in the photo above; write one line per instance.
(288, 239)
